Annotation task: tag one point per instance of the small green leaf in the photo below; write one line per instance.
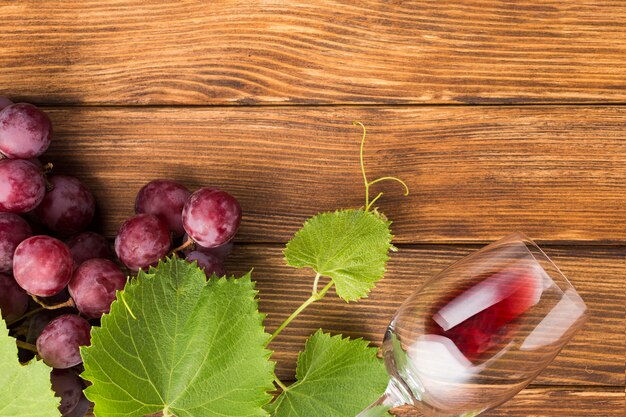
(349, 246)
(24, 389)
(336, 377)
(195, 349)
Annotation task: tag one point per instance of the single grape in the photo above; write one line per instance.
(42, 265)
(25, 131)
(4, 102)
(69, 387)
(22, 186)
(67, 208)
(142, 240)
(210, 263)
(13, 299)
(13, 230)
(60, 341)
(221, 251)
(211, 217)
(89, 245)
(93, 286)
(164, 199)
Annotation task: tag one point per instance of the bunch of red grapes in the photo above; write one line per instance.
(56, 278)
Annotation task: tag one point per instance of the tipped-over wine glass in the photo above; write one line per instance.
(479, 331)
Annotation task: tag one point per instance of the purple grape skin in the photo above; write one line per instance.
(211, 217)
(42, 265)
(89, 245)
(164, 199)
(25, 131)
(13, 230)
(69, 387)
(67, 208)
(141, 241)
(59, 342)
(13, 299)
(210, 263)
(22, 186)
(93, 286)
(4, 102)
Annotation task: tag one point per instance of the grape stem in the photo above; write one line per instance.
(182, 247)
(368, 184)
(30, 313)
(68, 303)
(26, 346)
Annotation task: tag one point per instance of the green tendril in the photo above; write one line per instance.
(368, 184)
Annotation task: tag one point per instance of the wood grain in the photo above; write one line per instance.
(594, 357)
(542, 402)
(313, 51)
(476, 174)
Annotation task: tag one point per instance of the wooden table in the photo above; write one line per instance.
(500, 115)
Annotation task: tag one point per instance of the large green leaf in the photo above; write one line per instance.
(24, 389)
(336, 377)
(195, 349)
(349, 246)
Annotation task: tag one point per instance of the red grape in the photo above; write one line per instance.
(142, 240)
(4, 102)
(211, 217)
(89, 245)
(210, 263)
(165, 199)
(22, 186)
(59, 342)
(93, 286)
(13, 230)
(69, 207)
(69, 387)
(25, 131)
(42, 265)
(13, 299)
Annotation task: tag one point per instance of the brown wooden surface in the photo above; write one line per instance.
(243, 96)
(314, 51)
(476, 173)
(542, 402)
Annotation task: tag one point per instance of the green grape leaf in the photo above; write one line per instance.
(24, 389)
(195, 349)
(335, 376)
(349, 246)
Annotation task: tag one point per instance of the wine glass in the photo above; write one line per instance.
(479, 331)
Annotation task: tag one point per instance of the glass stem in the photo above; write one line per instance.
(393, 397)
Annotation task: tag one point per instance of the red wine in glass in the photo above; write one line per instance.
(478, 332)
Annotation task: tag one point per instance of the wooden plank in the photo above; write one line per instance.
(594, 356)
(313, 51)
(546, 402)
(476, 174)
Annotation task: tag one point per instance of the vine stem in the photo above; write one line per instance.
(281, 384)
(313, 298)
(26, 346)
(368, 184)
(68, 303)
